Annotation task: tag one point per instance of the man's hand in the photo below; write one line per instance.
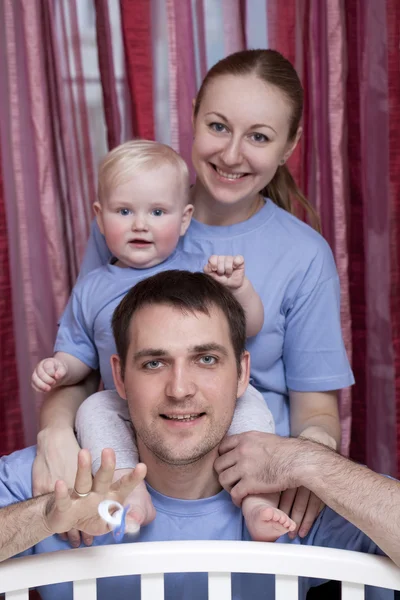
(257, 463)
(49, 373)
(228, 270)
(65, 509)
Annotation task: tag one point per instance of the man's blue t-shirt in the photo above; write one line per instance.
(214, 518)
(291, 266)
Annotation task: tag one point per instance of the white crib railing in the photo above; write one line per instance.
(152, 560)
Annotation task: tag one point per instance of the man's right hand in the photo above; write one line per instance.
(49, 373)
(66, 509)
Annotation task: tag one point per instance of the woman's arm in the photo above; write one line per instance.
(315, 415)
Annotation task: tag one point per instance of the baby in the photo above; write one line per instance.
(142, 211)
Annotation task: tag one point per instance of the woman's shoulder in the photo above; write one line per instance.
(297, 230)
(304, 242)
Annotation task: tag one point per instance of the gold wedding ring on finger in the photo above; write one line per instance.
(82, 495)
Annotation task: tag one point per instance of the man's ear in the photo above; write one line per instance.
(116, 368)
(186, 218)
(99, 216)
(244, 376)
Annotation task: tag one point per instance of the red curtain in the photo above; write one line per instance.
(393, 35)
(136, 27)
(11, 429)
(356, 240)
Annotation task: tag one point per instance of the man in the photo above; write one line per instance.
(180, 339)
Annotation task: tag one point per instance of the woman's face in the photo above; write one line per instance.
(240, 137)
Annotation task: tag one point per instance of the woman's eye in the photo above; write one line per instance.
(260, 138)
(218, 127)
(153, 364)
(208, 360)
(124, 212)
(157, 212)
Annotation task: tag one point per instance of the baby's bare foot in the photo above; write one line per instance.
(141, 508)
(266, 523)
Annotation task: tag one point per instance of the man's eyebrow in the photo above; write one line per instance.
(211, 347)
(255, 126)
(147, 352)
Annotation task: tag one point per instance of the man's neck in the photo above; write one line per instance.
(186, 482)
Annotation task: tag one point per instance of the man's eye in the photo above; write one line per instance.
(218, 127)
(208, 360)
(124, 212)
(153, 364)
(157, 212)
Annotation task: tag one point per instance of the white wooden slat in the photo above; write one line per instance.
(352, 591)
(85, 589)
(18, 595)
(219, 586)
(286, 587)
(152, 586)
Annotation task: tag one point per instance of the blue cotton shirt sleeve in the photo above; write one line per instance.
(96, 253)
(313, 353)
(75, 335)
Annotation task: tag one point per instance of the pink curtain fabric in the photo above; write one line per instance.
(373, 184)
(136, 26)
(182, 74)
(107, 72)
(393, 33)
(11, 427)
(48, 175)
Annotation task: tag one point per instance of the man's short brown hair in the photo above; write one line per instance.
(191, 292)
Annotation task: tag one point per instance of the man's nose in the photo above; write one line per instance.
(232, 153)
(180, 385)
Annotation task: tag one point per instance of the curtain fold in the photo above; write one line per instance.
(107, 73)
(11, 428)
(393, 33)
(374, 432)
(136, 26)
(48, 171)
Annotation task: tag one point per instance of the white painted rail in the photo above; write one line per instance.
(152, 560)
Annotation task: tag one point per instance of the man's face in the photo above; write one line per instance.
(181, 382)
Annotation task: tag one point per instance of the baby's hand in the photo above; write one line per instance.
(228, 270)
(48, 373)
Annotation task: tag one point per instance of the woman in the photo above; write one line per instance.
(246, 124)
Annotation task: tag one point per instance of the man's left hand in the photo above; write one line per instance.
(256, 463)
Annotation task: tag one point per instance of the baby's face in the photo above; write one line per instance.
(143, 218)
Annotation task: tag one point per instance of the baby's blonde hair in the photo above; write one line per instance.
(132, 157)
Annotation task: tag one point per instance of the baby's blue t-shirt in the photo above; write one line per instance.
(214, 518)
(292, 268)
(85, 327)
